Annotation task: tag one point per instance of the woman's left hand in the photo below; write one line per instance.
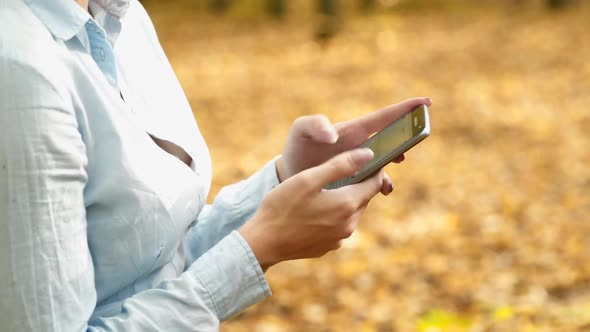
(314, 139)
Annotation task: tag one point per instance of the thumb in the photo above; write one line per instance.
(317, 127)
(338, 167)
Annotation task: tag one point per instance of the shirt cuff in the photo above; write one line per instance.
(268, 176)
(232, 275)
(254, 189)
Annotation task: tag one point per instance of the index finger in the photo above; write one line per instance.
(375, 121)
(338, 167)
(363, 191)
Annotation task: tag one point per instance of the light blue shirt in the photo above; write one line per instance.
(101, 229)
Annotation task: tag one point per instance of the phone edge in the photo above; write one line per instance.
(359, 177)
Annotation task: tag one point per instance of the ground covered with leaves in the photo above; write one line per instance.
(488, 228)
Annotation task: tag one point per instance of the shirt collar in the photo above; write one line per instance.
(65, 18)
(115, 7)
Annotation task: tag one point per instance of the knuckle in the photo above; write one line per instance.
(305, 180)
(348, 231)
(348, 207)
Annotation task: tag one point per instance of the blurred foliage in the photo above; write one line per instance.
(329, 14)
(488, 228)
(276, 8)
(279, 8)
(219, 5)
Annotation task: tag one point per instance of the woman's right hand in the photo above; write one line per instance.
(299, 219)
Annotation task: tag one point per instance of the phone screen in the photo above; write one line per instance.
(391, 137)
(393, 140)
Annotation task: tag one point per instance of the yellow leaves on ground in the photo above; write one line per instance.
(488, 228)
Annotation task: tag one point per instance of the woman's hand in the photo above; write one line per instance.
(299, 219)
(313, 139)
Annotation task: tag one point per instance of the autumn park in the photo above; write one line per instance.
(488, 227)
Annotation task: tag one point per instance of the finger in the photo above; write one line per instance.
(400, 158)
(386, 185)
(362, 192)
(375, 121)
(338, 167)
(317, 127)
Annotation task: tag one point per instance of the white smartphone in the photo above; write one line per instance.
(388, 144)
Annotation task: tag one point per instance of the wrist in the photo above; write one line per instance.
(259, 244)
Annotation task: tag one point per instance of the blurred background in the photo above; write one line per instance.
(488, 228)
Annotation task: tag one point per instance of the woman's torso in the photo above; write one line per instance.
(139, 199)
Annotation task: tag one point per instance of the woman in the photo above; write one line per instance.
(104, 177)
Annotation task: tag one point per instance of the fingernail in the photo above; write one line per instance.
(330, 135)
(390, 187)
(429, 100)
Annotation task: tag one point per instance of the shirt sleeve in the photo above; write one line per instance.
(46, 274)
(218, 285)
(232, 207)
